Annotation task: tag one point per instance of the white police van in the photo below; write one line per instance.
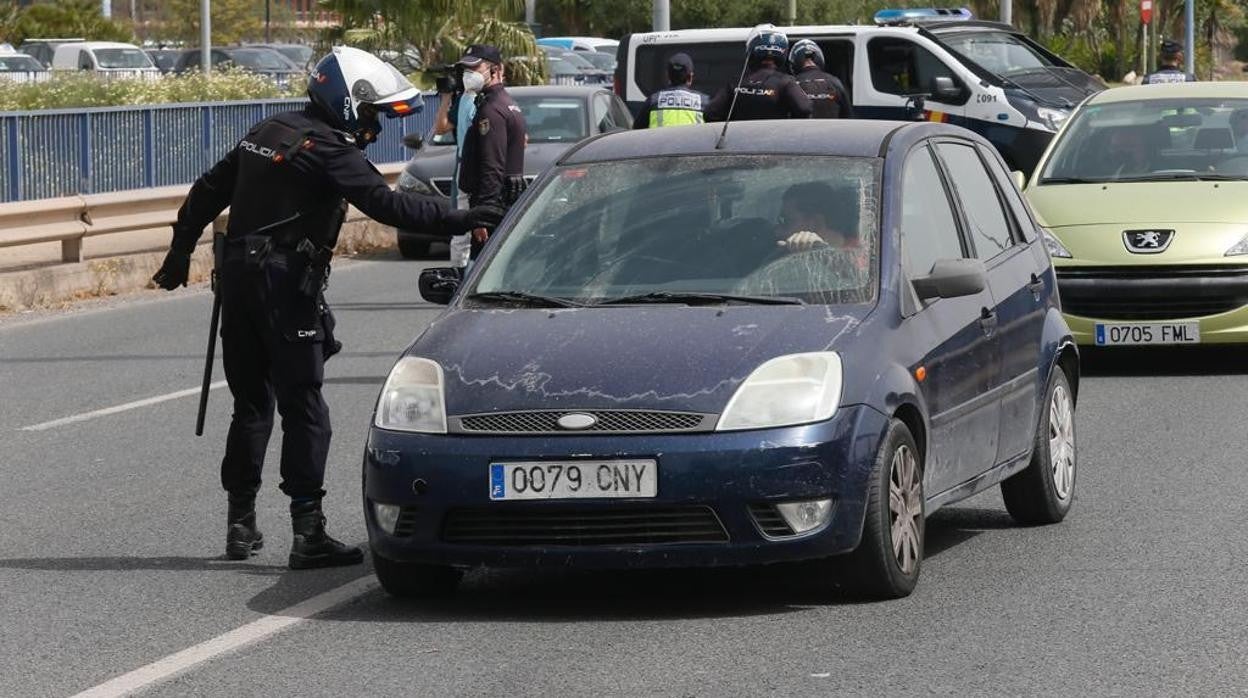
(984, 76)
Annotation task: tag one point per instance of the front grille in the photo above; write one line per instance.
(1152, 292)
(584, 527)
(608, 422)
(406, 525)
(769, 521)
(443, 185)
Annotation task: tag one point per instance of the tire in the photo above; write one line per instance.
(885, 566)
(407, 580)
(413, 248)
(1043, 493)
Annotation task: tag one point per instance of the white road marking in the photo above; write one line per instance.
(119, 408)
(253, 632)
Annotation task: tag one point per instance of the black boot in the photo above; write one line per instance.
(313, 547)
(242, 537)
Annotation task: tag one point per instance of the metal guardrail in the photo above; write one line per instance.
(69, 220)
(65, 152)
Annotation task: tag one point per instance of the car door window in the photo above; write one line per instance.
(1024, 224)
(989, 226)
(902, 67)
(84, 60)
(929, 230)
(600, 114)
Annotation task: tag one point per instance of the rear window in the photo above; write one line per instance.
(260, 59)
(122, 58)
(11, 64)
(553, 119)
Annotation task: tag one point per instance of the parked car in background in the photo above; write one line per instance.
(105, 58)
(19, 67)
(299, 54)
(42, 49)
(166, 59)
(646, 367)
(253, 59)
(571, 68)
(603, 62)
(581, 43)
(1144, 197)
(557, 118)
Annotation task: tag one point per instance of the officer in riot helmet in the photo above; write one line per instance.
(287, 183)
(1169, 65)
(766, 91)
(678, 104)
(828, 97)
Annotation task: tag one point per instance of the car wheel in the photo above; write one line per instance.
(414, 248)
(1042, 494)
(887, 561)
(407, 580)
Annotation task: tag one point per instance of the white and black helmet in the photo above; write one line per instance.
(352, 87)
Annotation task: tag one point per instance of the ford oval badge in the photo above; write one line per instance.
(577, 421)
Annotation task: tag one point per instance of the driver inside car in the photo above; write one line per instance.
(811, 215)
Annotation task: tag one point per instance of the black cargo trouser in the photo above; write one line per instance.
(271, 344)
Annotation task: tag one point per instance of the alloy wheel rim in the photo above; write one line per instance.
(905, 505)
(1062, 443)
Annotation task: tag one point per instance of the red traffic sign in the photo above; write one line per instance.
(1146, 11)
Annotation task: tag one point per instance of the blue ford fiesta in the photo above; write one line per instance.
(794, 343)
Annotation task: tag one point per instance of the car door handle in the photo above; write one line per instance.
(988, 320)
(1036, 286)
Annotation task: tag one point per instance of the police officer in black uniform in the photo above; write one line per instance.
(826, 91)
(285, 183)
(767, 92)
(492, 166)
(1169, 65)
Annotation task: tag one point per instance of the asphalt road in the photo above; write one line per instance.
(111, 538)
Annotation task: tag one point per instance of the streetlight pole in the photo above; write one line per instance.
(662, 16)
(791, 16)
(1007, 11)
(205, 35)
(268, 38)
(530, 12)
(106, 8)
(1190, 53)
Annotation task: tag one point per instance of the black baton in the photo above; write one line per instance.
(218, 249)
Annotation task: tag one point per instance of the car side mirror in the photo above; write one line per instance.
(1020, 179)
(952, 278)
(439, 284)
(415, 141)
(944, 86)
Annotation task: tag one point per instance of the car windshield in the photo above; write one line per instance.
(600, 61)
(1001, 53)
(13, 64)
(299, 55)
(553, 119)
(1153, 140)
(558, 66)
(260, 59)
(732, 228)
(122, 58)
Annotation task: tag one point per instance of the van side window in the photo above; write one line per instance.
(928, 229)
(902, 67)
(84, 60)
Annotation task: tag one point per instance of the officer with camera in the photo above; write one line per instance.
(492, 167)
(287, 183)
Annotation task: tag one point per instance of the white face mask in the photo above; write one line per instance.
(473, 81)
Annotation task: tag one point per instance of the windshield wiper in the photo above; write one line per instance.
(532, 299)
(1183, 176)
(697, 298)
(1071, 180)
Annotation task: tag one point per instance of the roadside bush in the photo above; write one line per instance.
(71, 90)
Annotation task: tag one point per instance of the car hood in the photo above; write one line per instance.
(639, 357)
(1150, 203)
(433, 161)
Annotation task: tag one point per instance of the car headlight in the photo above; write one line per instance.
(413, 184)
(412, 399)
(1053, 118)
(1053, 245)
(787, 390)
(1238, 248)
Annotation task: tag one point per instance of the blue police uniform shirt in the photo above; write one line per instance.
(466, 112)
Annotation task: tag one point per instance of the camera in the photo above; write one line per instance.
(449, 79)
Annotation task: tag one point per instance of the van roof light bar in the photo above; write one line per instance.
(919, 15)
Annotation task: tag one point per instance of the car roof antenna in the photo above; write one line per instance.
(719, 144)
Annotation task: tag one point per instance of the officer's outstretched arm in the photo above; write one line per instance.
(800, 106)
(209, 196)
(363, 187)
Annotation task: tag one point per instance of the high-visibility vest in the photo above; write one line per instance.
(677, 106)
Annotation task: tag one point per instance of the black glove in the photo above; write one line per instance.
(174, 272)
(513, 187)
(485, 216)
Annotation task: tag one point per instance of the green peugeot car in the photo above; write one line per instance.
(1143, 197)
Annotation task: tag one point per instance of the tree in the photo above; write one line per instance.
(233, 21)
(67, 18)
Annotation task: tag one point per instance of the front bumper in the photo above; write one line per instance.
(1216, 297)
(433, 476)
